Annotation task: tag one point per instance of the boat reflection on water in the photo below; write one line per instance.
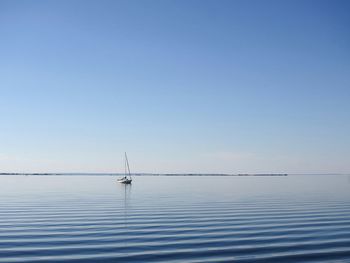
(122, 194)
(127, 194)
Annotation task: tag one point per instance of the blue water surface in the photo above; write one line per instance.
(295, 218)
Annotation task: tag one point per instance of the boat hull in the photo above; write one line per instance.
(124, 181)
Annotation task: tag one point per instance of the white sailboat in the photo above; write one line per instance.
(125, 179)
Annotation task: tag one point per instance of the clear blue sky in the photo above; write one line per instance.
(182, 86)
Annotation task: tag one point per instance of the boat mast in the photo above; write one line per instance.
(127, 165)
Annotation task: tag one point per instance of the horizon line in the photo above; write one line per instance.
(169, 174)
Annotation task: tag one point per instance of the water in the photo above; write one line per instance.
(175, 219)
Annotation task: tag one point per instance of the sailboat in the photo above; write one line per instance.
(126, 179)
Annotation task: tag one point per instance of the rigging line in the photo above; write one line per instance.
(127, 163)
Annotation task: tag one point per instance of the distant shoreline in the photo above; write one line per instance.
(141, 174)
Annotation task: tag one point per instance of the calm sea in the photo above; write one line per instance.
(296, 218)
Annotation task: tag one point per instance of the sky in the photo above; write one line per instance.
(191, 86)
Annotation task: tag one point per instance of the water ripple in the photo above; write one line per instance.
(123, 224)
